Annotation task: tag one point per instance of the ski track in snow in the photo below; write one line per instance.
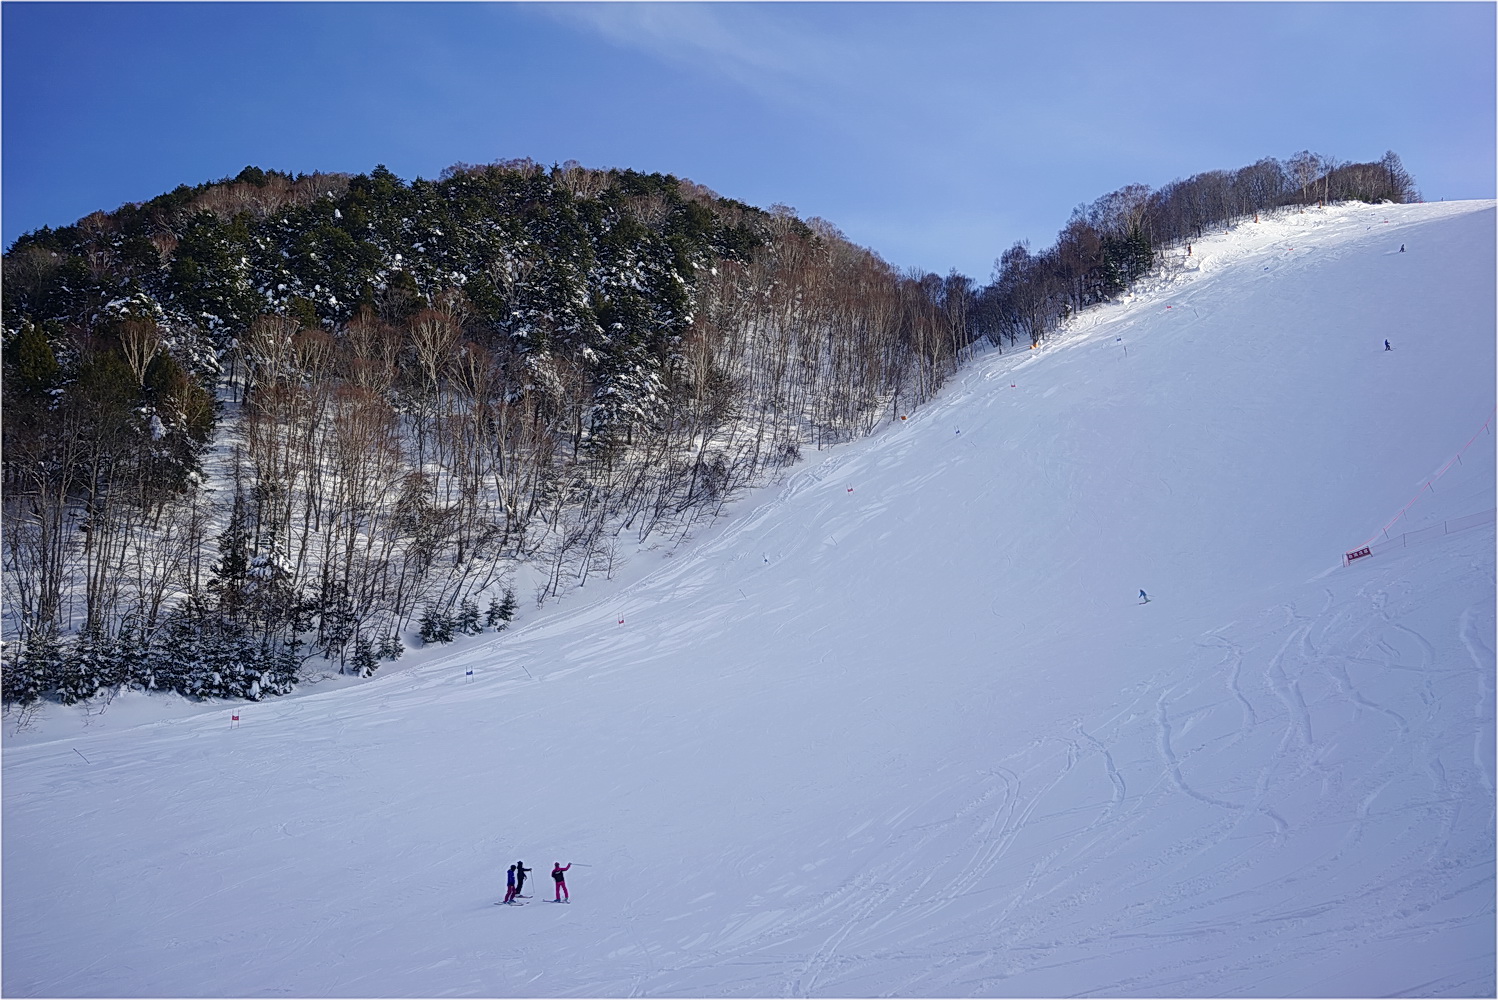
(915, 739)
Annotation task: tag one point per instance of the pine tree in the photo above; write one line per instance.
(33, 670)
(364, 661)
(436, 626)
(430, 625)
(232, 663)
(279, 669)
(175, 660)
(468, 616)
(81, 668)
(500, 613)
(274, 604)
(31, 364)
(132, 658)
(231, 571)
(391, 646)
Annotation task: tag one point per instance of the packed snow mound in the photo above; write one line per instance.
(900, 726)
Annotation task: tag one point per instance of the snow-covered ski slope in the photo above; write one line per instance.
(900, 726)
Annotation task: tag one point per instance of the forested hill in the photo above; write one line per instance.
(413, 386)
(541, 254)
(275, 417)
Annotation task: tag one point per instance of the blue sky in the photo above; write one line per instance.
(937, 134)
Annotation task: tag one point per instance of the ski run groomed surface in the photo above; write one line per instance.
(900, 725)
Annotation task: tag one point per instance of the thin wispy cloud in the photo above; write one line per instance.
(765, 49)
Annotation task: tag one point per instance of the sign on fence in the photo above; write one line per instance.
(1360, 553)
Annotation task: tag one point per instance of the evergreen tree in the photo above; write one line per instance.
(500, 612)
(231, 666)
(468, 616)
(280, 667)
(31, 366)
(231, 571)
(33, 670)
(436, 626)
(80, 672)
(430, 625)
(364, 661)
(391, 646)
(174, 664)
(274, 604)
(132, 658)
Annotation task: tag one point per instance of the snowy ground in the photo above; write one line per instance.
(900, 726)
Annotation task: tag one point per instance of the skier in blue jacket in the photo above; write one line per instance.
(510, 889)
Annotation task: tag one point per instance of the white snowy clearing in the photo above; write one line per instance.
(900, 726)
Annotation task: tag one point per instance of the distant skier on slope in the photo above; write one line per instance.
(510, 885)
(1401, 248)
(1143, 597)
(520, 873)
(1387, 347)
(561, 880)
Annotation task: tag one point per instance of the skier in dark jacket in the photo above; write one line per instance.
(510, 885)
(557, 868)
(520, 872)
(1387, 347)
